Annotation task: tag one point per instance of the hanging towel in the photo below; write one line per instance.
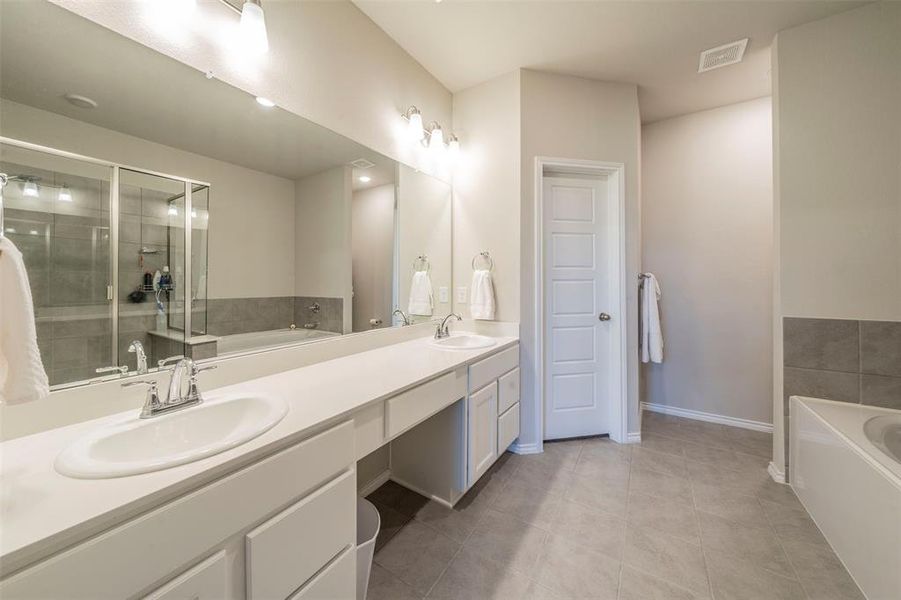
(651, 335)
(22, 375)
(421, 295)
(481, 296)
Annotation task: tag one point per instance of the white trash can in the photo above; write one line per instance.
(368, 524)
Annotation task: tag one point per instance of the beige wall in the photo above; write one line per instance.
(327, 62)
(254, 208)
(372, 247)
(707, 233)
(570, 117)
(487, 189)
(322, 249)
(839, 155)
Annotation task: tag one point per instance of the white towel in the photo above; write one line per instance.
(421, 295)
(651, 335)
(481, 296)
(22, 375)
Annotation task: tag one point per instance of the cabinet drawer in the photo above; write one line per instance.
(118, 563)
(413, 406)
(369, 429)
(507, 428)
(337, 582)
(206, 581)
(485, 371)
(508, 390)
(287, 550)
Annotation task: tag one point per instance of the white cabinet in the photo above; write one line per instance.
(335, 582)
(206, 581)
(482, 431)
(507, 428)
(507, 391)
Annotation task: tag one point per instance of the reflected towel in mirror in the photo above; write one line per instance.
(421, 302)
(22, 375)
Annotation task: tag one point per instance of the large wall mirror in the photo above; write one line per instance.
(155, 205)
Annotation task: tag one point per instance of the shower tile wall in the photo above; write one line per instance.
(330, 316)
(843, 360)
(228, 316)
(65, 246)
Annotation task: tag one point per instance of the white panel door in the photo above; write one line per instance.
(578, 231)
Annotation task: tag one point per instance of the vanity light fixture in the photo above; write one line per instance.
(364, 178)
(253, 27)
(414, 124)
(436, 136)
(265, 102)
(30, 189)
(65, 195)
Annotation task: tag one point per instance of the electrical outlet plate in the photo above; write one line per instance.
(461, 293)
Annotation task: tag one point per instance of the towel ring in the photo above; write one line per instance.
(486, 257)
(421, 263)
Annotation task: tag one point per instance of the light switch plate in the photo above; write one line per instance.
(461, 293)
(443, 294)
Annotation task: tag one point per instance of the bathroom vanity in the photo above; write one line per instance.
(274, 517)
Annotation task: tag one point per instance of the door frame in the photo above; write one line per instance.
(615, 173)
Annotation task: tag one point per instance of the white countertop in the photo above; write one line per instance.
(42, 511)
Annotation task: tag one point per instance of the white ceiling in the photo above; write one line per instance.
(653, 44)
(143, 93)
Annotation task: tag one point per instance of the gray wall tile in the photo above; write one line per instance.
(832, 344)
(831, 385)
(880, 347)
(880, 390)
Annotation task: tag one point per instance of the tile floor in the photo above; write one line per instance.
(689, 513)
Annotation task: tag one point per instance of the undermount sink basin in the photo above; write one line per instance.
(142, 445)
(465, 341)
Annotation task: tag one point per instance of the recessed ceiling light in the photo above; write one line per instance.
(365, 178)
(265, 102)
(80, 101)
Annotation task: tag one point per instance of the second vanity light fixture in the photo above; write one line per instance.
(432, 136)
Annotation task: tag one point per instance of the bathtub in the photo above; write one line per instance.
(851, 487)
(256, 340)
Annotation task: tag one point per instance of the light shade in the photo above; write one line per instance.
(453, 146)
(30, 189)
(253, 28)
(436, 138)
(415, 126)
(64, 194)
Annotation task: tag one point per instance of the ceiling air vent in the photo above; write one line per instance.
(722, 56)
(362, 163)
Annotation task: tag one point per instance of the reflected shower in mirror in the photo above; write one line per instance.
(197, 223)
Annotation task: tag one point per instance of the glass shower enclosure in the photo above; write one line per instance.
(107, 255)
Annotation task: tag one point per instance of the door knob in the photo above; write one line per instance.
(604, 317)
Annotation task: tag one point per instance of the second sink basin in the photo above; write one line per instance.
(142, 445)
(465, 341)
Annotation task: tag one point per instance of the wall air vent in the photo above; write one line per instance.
(722, 56)
(362, 163)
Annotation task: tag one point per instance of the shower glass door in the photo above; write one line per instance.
(56, 211)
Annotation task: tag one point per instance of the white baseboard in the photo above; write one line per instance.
(518, 448)
(777, 474)
(374, 484)
(709, 417)
(633, 437)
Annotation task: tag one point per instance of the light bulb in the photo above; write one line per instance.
(453, 146)
(30, 189)
(436, 139)
(365, 179)
(253, 28)
(173, 211)
(415, 125)
(64, 194)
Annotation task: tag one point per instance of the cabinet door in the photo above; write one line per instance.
(206, 581)
(482, 450)
(507, 428)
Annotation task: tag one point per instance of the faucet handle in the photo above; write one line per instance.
(195, 369)
(193, 390)
(152, 403)
(171, 359)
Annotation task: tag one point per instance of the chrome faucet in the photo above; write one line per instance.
(137, 348)
(154, 406)
(442, 331)
(403, 316)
